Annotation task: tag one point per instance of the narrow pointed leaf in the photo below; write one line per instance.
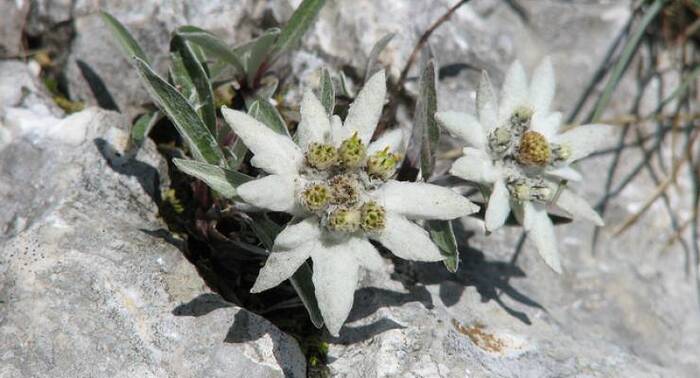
(444, 237)
(212, 45)
(198, 77)
(181, 79)
(126, 41)
(267, 88)
(142, 127)
(256, 52)
(237, 151)
(198, 138)
(372, 61)
(424, 119)
(266, 113)
(221, 180)
(327, 91)
(302, 19)
(345, 86)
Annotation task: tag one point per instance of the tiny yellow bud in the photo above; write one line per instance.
(560, 153)
(344, 219)
(372, 219)
(500, 139)
(382, 164)
(316, 197)
(321, 156)
(352, 152)
(520, 119)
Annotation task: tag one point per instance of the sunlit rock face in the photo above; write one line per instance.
(627, 310)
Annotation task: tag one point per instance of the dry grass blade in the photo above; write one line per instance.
(660, 189)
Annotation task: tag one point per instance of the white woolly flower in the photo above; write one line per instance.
(339, 186)
(518, 153)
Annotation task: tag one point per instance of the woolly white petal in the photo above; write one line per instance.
(578, 207)
(585, 139)
(392, 139)
(498, 207)
(365, 111)
(274, 153)
(464, 126)
(281, 265)
(273, 192)
(475, 166)
(542, 86)
(566, 173)
(336, 130)
(366, 255)
(486, 103)
(315, 125)
(416, 200)
(335, 280)
(514, 92)
(294, 235)
(547, 124)
(540, 228)
(407, 240)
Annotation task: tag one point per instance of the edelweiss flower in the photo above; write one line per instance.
(518, 153)
(339, 185)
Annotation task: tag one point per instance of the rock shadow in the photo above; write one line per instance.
(491, 279)
(97, 86)
(245, 328)
(202, 305)
(147, 175)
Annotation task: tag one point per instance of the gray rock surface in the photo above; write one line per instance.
(628, 310)
(91, 284)
(14, 14)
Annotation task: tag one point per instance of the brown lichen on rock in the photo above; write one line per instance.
(481, 338)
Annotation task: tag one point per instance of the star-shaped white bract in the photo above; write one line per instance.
(339, 187)
(518, 153)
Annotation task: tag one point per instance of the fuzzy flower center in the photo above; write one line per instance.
(528, 189)
(340, 180)
(382, 164)
(321, 156)
(533, 149)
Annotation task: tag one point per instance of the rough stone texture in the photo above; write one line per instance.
(91, 284)
(628, 310)
(13, 14)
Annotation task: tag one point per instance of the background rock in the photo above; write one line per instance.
(91, 283)
(626, 310)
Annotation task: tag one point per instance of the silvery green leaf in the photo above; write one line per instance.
(127, 42)
(345, 86)
(372, 61)
(198, 138)
(424, 118)
(256, 52)
(198, 77)
(237, 151)
(212, 45)
(267, 231)
(298, 24)
(142, 127)
(181, 79)
(268, 88)
(221, 180)
(443, 236)
(327, 91)
(266, 113)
